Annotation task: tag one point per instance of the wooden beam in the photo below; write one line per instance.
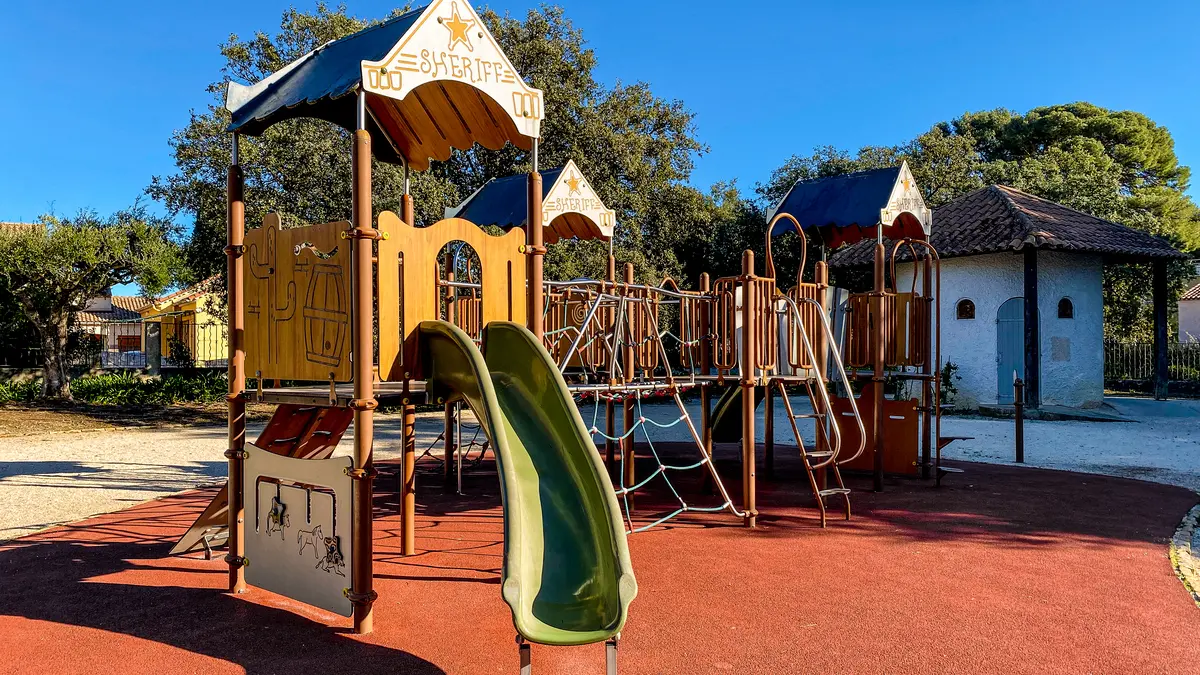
(1033, 349)
(1161, 373)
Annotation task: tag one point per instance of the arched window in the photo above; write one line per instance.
(1066, 309)
(965, 309)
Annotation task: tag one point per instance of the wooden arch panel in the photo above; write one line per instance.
(408, 291)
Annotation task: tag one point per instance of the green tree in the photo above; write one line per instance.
(637, 149)
(53, 272)
(1117, 165)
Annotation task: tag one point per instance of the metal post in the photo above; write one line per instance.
(449, 447)
(769, 430)
(630, 476)
(609, 409)
(408, 492)
(928, 405)
(526, 661)
(748, 381)
(1033, 345)
(1019, 405)
(236, 224)
(705, 368)
(362, 593)
(878, 321)
(1161, 367)
(535, 248)
(408, 436)
(610, 657)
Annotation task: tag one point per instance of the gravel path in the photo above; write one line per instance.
(56, 478)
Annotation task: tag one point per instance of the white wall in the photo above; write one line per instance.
(1072, 359)
(1072, 370)
(1189, 320)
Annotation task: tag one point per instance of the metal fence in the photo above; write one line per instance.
(1134, 361)
(172, 341)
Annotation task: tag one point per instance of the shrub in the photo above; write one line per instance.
(127, 388)
(19, 392)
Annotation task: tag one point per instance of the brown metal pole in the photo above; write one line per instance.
(1162, 370)
(536, 251)
(408, 487)
(235, 234)
(821, 346)
(408, 437)
(705, 369)
(448, 446)
(1019, 406)
(362, 593)
(927, 403)
(769, 430)
(877, 378)
(627, 444)
(748, 381)
(610, 446)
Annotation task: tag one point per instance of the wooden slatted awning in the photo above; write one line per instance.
(435, 80)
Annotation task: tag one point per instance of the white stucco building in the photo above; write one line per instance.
(1189, 315)
(998, 246)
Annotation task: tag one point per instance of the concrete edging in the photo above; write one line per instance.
(1185, 557)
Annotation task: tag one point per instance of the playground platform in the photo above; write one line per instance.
(1003, 569)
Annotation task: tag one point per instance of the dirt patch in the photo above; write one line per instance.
(26, 420)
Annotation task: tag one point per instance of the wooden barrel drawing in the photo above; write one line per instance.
(326, 320)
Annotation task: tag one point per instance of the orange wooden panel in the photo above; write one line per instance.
(297, 302)
(407, 289)
(900, 433)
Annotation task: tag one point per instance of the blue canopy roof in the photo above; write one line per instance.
(504, 201)
(838, 201)
(318, 84)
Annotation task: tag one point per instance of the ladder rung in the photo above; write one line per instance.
(834, 491)
(819, 453)
(809, 416)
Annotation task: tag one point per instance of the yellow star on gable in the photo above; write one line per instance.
(573, 183)
(458, 28)
(906, 182)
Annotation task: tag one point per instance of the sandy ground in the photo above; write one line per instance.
(46, 479)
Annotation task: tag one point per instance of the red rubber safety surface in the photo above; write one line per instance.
(1001, 570)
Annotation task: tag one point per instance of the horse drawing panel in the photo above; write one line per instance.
(298, 528)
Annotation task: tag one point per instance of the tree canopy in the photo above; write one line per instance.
(636, 148)
(1117, 165)
(638, 151)
(53, 271)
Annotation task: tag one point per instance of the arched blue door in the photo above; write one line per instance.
(1010, 347)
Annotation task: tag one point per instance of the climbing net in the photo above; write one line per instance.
(607, 340)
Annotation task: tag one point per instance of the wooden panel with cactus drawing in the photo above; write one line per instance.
(297, 301)
(408, 270)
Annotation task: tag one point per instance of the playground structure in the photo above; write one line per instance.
(375, 310)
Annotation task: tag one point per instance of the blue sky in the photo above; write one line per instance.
(94, 90)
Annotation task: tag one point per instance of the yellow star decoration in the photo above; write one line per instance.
(573, 183)
(906, 183)
(458, 28)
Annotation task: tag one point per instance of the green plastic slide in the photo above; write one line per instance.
(727, 414)
(566, 575)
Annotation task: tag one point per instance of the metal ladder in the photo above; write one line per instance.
(828, 426)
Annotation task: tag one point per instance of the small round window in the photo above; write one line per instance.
(1066, 309)
(965, 309)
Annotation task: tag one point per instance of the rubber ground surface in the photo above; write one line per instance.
(1003, 569)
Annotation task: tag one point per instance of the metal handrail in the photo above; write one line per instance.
(837, 360)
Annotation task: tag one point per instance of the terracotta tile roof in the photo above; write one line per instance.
(124, 308)
(188, 294)
(1192, 293)
(17, 228)
(999, 218)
